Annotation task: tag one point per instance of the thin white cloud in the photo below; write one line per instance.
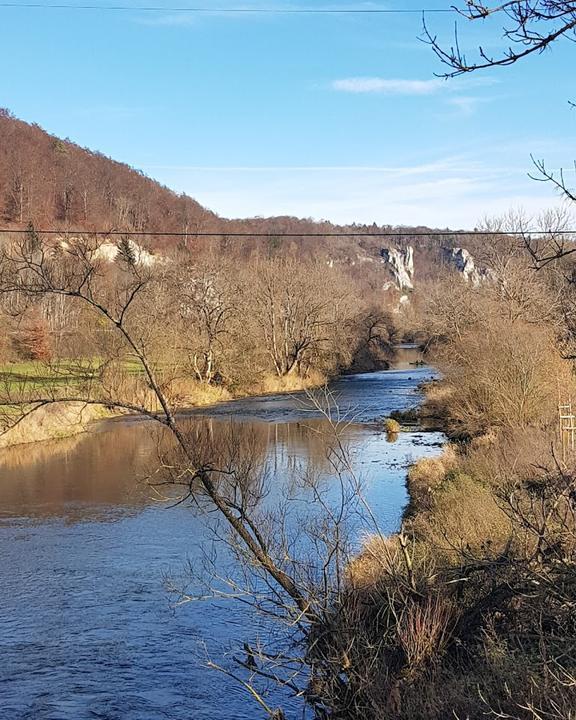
(184, 19)
(451, 192)
(395, 170)
(388, 87)
(466, 105)
(168, 20)
(400, 86)
(460, 165)
(224, 10)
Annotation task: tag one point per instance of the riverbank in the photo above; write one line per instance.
(54, 422)
(63, 419)
(474, 596)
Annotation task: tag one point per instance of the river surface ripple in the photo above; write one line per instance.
(88, 631)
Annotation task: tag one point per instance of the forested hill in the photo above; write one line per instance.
(58, 185)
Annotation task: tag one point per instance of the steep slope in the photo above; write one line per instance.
(58, 185)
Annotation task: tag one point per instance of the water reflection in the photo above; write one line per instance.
(76, 478)
(121, 467)
(87, 628)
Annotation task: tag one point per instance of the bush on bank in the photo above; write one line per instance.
(468, 612)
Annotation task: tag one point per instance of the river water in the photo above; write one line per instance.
(88, 630)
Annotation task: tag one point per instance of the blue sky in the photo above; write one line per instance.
(325, 116)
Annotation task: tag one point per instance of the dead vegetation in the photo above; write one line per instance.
(469, 611)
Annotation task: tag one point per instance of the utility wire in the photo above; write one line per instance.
(238, 10)
(384, 233)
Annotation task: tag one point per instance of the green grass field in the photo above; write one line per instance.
(31, 375)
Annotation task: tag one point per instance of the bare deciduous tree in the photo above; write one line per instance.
(289, 566)
(529, 26)
(208, 297)
(300, 313)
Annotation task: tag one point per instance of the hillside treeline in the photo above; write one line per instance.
(55, 184)
(212, 327)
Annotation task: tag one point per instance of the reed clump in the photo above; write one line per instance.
(391, 426)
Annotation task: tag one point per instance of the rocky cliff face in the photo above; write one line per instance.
(463, 262)
(401, 265)
(109, 251)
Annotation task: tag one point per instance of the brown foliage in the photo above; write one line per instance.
(31, 339)
(502, 374)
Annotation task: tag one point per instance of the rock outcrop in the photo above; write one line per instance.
(462, 261)
(109, 252)
(401, 264)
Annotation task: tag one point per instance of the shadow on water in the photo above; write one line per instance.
(88, 631)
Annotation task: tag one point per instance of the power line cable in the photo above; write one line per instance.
(237, 11)
(271, 234)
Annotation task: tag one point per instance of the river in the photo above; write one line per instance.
(88, 628)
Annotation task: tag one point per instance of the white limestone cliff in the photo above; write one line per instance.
(401, 264)
(463, 262)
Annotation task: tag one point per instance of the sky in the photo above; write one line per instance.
(337, 117)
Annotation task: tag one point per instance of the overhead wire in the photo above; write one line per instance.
(272, 234)
(224, 10)
(270, 11)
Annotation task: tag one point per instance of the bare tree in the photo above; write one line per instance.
(208, 297)
(529, 26)
(291, 567)
(300, 312)
(517, 292)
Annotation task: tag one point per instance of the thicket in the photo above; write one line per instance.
(212, 327)
(469, 612)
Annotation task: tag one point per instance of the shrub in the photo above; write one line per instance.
(32, 339)
(502, 375)
(426, 476)
(391, 426)
(424, 631)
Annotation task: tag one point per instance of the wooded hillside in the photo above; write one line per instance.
(58, 185)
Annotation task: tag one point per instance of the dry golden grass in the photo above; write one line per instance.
(454, 501)
(53, 422)
(391, 426)
(188, 392)
(465, 517)
(381, 565)
(380, 556)
(431, 471)
(290, 383)
(427, 475)
(438, 397)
